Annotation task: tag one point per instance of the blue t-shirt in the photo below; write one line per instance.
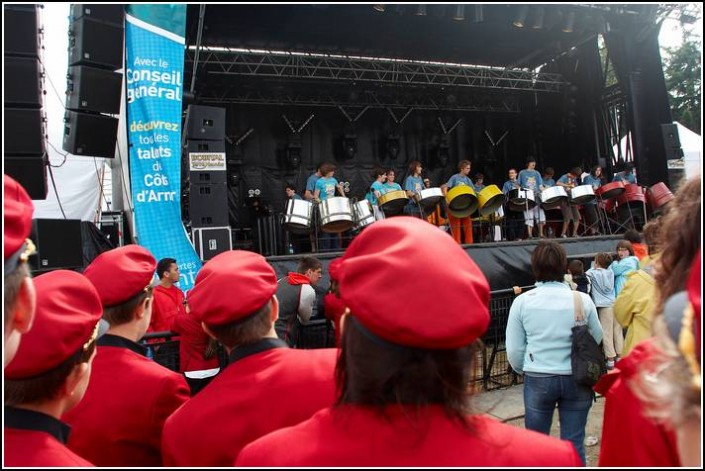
(478, 188)
(295, 197)
(414, 184)
(376, 186)
(326, 186)
(530, 179)
(594, 182)
(629, 177)
(459, 179)
(509, 185)
(311, 182)
(568, 180)
(548, 182)
(391, 187)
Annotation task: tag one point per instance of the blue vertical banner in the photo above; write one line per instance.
(154, 38)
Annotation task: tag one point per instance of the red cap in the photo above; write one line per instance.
(695, 296)
(68, 311)
(121, 273)
(334, 268)
(17, 217)
(411, 284)
(231, 286)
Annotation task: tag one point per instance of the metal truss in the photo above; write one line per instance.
(309, 66)
(506, 104)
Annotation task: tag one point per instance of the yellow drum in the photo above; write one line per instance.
(393, 202)
(491, 199)
(462, 201)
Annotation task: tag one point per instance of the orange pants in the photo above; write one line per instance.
(455, 226)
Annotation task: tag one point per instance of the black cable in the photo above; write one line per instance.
(64, 155)
(53, 184)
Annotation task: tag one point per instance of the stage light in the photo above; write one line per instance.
(293, 154)
(378, 7)
(420, 10)
(350, 145)
(538, 18)
(478, 14)
(459, 13)
(393, 146)
(569, 22)
(520, 18)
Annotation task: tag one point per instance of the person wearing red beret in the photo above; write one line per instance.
(120, 421)
(405, 365)
(50, 372)
(266, 385)
(19, 290)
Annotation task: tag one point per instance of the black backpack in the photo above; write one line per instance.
(586, 357)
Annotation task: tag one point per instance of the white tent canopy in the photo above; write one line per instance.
(691, 143)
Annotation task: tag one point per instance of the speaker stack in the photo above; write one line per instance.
(23, 100)
(204, 147)
(671, 141)
(93, 87)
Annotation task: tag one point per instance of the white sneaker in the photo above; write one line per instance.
(591, 440)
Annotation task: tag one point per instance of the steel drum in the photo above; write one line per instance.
(490, 199)
(429, 198)
(658, 195)
(553, 196)
(336, 214)
(610, 190)
(582, 194)
(298, 216)
(393, 202)
(520, 200)
(462, 201)
(632, 194)
(363, 214)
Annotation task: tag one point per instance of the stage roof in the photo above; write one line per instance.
(513, 36)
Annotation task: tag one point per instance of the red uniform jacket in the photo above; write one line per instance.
(193, 341)
(358, 437)
(265, 387)
(628, 437)
(334, 308)
(33, 439)
(120, 420)
(168, 302)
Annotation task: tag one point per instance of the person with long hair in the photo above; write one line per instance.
(406, 362)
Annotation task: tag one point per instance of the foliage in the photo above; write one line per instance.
(682, 70)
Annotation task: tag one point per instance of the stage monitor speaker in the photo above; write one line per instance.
(30, 172)
(21, 30)
(208, 205)
(59, 244)
(671, 141)
(210, 241)
(93, 89)
(205, 123)
(24, 131)
(90, 134)
(95, 43)
(112, 225)
(23, 82)
(114, 14)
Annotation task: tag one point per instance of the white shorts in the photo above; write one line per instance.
(534, 214)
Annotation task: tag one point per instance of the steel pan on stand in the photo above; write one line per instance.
(336, 214)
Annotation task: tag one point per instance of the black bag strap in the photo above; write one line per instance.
(578, 309)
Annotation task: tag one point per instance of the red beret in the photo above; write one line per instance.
(334, 268)
(17, 217)
(695, 297)
(411, 284)
(68, 311)
(121, 273)
(231, 286)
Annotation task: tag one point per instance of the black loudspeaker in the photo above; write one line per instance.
(59, 244)
(90, 134)
(205, 123)
(205, 146)
(211, 241)
(95, 43)
(30, 172)
(21, 30)
(208, 205)
(23, 82)
(671, 141)
(114, 14)
(112, 225)
(24, 131)
(92, 89)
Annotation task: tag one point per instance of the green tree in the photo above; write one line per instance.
(683, 81)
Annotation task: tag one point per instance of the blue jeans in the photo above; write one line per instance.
(542, 394)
